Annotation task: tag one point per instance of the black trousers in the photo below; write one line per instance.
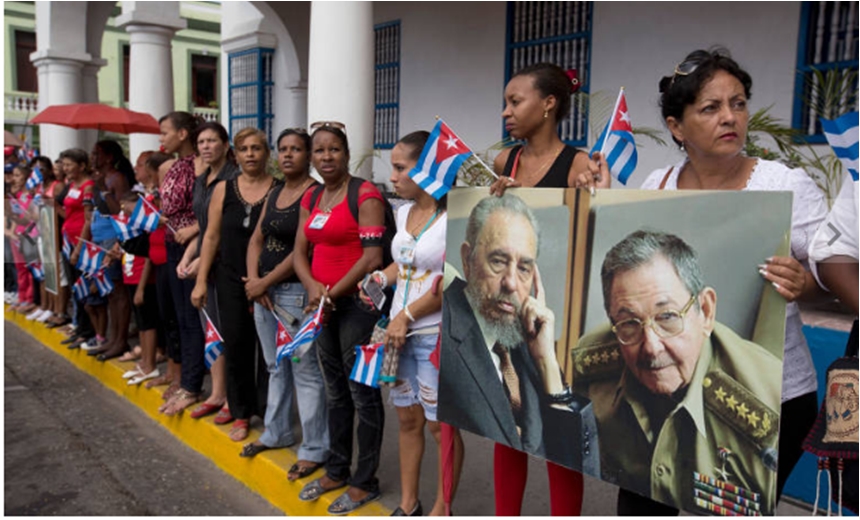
(191, 338)
(247, 376)
(168, 328)
(795, 420)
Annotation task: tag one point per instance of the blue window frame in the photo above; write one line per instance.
(560, 33)
(386, 126)
(827, 43)
(250, 80)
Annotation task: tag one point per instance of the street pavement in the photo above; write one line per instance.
(73, 447)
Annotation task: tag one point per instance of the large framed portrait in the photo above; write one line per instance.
(49, 248)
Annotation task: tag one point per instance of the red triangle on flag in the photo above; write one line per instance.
(621, 118)
(369, 350)
(448, 144)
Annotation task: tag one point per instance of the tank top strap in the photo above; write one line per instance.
(512, 160)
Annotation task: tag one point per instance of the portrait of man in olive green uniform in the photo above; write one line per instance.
(687, 410)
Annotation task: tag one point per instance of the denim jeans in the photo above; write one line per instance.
(191, 339)
(417, 378)
(305, 374)
(350, 325)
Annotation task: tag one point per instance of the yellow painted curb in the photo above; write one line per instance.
(265, 474)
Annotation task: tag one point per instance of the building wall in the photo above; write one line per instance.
(452, 61)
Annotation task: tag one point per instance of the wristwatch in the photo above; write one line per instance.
(563, 397)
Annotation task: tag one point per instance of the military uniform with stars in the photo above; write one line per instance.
(718, 439)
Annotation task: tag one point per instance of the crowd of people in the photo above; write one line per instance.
(245, 252)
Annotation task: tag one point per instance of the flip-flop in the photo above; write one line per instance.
(175, 408)
(344, 505)
(251, 449)
(223, 416)
(313, 490)
(239, 431)
(301, 472)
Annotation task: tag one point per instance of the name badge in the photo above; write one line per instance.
(319, 220)
(74, 193)
(406, 256)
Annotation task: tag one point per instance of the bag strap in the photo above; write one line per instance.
(666, 178)
(315, 196)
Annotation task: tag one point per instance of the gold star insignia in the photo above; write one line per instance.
(605, 356)
(766, 422)
(721, 394)
(753, 419)
(731, 402)
(743, 410)
(614, 355)
(586, 360)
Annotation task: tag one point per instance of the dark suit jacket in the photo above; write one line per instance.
(472, 397)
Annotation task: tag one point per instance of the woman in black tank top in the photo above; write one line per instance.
(537, 98)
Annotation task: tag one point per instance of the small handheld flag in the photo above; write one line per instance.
(16, 206)
(103, 282)
(368, 364)
(842, 135)
(122, 229)
(441, 159)
(306, 335)
(91, 258)
(34, 179)
(36, 269)
(144, 216)
(282, 337)
(67, 247)
(616, 143)
(214, 343)
(81, 289)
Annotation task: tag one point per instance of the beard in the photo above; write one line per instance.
(507, 329)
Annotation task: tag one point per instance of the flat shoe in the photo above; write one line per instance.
(133, 372)
(143, 377)
(205, 409)
(313, 490)
(250, 450)
(344, 505)
(297, 472)
(416, 511)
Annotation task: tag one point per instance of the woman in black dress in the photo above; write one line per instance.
(233, 213)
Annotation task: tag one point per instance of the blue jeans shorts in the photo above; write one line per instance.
(417, 378)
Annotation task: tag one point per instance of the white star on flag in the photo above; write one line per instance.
(624, 117)
(210, 334)
(451, 142)
(283, 335)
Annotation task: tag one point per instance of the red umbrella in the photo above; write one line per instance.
(98, 117)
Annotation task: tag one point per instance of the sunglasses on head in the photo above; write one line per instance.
(685, 68)
(328, 124)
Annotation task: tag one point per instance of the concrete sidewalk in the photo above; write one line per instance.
(266, 473)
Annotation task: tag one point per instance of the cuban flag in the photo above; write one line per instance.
(103, 283)
(616, 142)
(34, 179)
(368, 364)
(16, 206)
(80, 289)
(38, 199)
(441, 159)
(144, 217)
(36, 269)
(842, 134)
(306, 335)
(91, 258)
(122, 229)
(214, 344)
(67, 247)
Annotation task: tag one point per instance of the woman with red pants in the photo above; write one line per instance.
(537, 98)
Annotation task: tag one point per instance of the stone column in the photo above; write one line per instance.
(61, 78)
(341, 73)
(90, 93)
(151, 26)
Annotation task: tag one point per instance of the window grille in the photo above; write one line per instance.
(387, 92)
(559, 33)
(828, 44)
(250, 80)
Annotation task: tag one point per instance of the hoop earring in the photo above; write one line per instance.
(545, 114)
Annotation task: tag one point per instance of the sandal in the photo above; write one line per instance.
(252, 449)
(132, 355)
(223, 416)
(181, 400)
(205, 409)
(344, 505)
(171, 391)
(298, 471)
(313, 490)
(239, 431)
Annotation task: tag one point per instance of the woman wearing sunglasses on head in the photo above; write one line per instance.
(233, 213)
(278, 295)
(705, 106)
(346, 247)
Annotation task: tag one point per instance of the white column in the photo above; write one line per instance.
(90, 93)
(341, 75)
(151, 26)
(297, 108)
(64, 77)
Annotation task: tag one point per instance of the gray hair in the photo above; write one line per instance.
(489, 205)
(639, 248)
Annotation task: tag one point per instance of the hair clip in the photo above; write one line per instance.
(574, 79)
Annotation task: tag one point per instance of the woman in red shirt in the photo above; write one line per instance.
(344, 251)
